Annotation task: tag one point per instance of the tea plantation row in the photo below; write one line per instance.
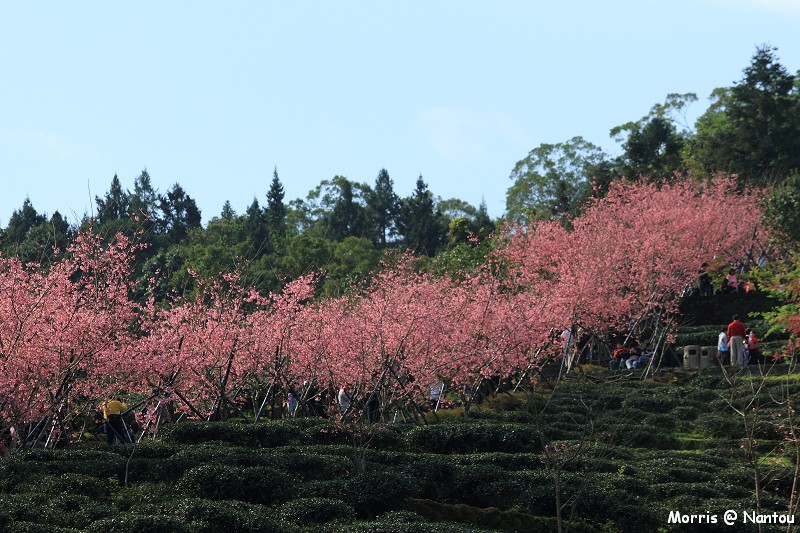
(645, 449)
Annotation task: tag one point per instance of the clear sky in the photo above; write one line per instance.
(214, 95)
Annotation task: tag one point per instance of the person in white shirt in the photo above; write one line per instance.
(344, 400)
(723, 347)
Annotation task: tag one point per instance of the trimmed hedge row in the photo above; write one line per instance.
(485, 470)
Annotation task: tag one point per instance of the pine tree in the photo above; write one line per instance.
(180, 213)
(144, 200)
(255, 228)
(115, 204)
(20, 223)
(382, 208)
(483, 223)
(422, 227)
(227, 211)
(276, 211)
(348, 217)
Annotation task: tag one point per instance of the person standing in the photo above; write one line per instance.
(344, 400)
(723, 347)
(291, 402)
(567, 338)
(112, 421)
(752, 348)
(736, 332)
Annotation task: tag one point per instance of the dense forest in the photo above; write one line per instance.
(344, 228)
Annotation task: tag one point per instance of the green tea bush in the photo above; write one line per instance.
(132, 523)
(193, 432)
(507, 461)
(91, 462)
(380, 527)
(388, 437)
(431, 474)
(673, 467)
(369, 494)
(646, 404)
(29, 527)
(380, 436)
(532, 491)
(719, 425)
(686, 412)
(315, 510)
(59, 510)
(467, 481)
(224, 482)
(209, 452)
(490, 518)
(275, 433)
(638, 435)
(586, 463)
(67, 484)
(473, 437)
(376, 492)
(706, 490)
(559, 429)
(513, 491)
(479, 414)
(141, 496)
(268, 434)
(327, 433)
(148, 449)
(25, 507)
(225, 516)
(310, 466)
(698, 335)
(661, 421)
(400, 517)
(154, 470)
(390, 458)
(620, 500)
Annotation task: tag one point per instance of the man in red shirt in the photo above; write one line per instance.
(736, 333)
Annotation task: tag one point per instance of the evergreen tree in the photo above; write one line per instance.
(753, 128)
(62, 232)
(483, 224)
(276, 212)
(32, 237)
(144, 201)
(652, 145)
(255, 229)
(348, 217)
(21, 222)
(114, 206)
(382, 207)
(179, 213)
(422, 228)
(227, 211)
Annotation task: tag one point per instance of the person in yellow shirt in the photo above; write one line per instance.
(112, 421)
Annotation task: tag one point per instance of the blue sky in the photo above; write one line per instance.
(214, 95)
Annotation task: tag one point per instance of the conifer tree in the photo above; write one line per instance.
(382, 207)
(422, 227)
(114, 205)
(276, 211)
(227, 211)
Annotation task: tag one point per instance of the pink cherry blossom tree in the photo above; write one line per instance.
(64, 331)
